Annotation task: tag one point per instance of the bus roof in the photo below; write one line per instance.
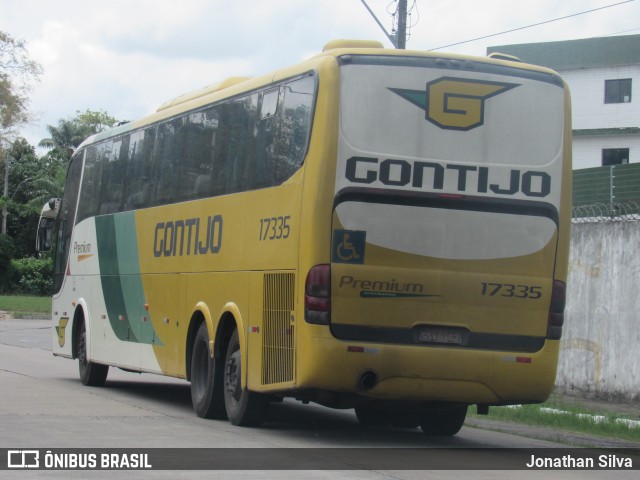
(237, 85)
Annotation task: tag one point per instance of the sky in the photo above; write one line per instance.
(126, 57)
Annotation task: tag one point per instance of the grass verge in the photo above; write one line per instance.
(571, 417)
(22, 305)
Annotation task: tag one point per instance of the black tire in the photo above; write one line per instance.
(244, 408)
(206, 379)
(443, 422)
(385, 417)
(370, 417)
(91, 374)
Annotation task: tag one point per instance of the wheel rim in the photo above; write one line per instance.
(82, 347)
(232, 376)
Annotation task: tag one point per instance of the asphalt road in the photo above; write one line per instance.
(44, 405)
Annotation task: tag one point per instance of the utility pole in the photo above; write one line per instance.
(402, 24)
(392, 37)
(399, 37)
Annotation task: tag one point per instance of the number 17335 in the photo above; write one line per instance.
(511, 290)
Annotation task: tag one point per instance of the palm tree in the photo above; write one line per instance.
(70, 133)
(63, 138)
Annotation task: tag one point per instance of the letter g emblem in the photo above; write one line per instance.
(455, 103)
(459, 104)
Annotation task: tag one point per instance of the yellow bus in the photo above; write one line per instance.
(384, 230)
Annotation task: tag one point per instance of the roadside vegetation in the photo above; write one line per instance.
(22, 305)
(574, 417)
(29, 178)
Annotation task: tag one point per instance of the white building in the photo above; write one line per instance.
(604, 77)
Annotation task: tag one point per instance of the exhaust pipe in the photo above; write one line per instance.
(368, 380)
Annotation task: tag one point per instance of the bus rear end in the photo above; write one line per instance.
(449, 230)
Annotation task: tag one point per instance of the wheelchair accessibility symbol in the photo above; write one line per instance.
(348, 246)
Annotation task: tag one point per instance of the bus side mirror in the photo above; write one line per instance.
(46, 225)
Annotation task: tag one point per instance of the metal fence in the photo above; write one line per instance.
(606, 194)
(606, 212)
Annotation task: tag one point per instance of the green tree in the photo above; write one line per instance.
(13, 106)
(33, 181)
(7, 252)
(70, 133)
(17, 73)
(15, 60)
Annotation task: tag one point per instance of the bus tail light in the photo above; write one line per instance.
(317, 295)
(556, 310)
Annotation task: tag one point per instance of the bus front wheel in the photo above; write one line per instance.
(91, 374)
(244, 408)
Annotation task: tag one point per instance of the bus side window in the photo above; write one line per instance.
(295, 127)
(114, 162)
(66, 218)
(263, 162)
(91, 181)
(245, 160)
(196, 180)
(224, 152)
(269, 105)
(167, 164)
(137, 177)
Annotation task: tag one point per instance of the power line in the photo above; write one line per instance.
(623, 31)
(533, 25)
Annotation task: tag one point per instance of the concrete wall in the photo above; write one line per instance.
(600, 347)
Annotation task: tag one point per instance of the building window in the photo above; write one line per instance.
(615, 156)
(617, 91)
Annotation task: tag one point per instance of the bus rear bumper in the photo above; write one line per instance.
(429, 373)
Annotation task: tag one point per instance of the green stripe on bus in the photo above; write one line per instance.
(110, 278)
(121, 281)
(131, 281)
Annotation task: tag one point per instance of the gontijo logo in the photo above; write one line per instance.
(455, 103)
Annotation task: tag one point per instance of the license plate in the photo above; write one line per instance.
(441, 336)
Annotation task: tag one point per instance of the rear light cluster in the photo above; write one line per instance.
(317, 295)
(556, 310)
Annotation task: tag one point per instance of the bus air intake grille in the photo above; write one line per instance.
(278, 340)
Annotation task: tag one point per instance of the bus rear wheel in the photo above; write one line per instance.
(244, 408)
(91, 374)
(206, 379)
(385, 417)
(443, 422)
